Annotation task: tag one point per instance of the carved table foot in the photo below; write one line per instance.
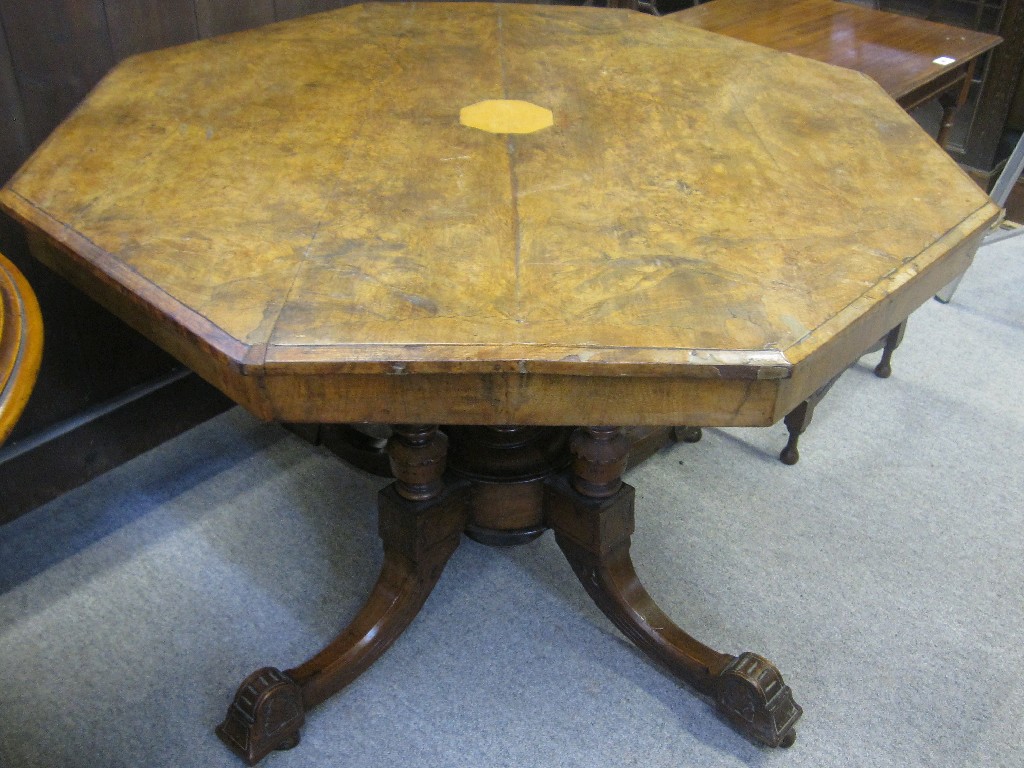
(265, 715)
(592, 516)
(421, 523)
(751, 694)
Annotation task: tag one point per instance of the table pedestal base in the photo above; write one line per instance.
(504, 486)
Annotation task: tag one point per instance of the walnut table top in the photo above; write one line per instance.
(491, 214)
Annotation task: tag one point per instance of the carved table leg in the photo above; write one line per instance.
(797, 421)
(420, 523)
(892, 340)
(950, 103)
(592, 516)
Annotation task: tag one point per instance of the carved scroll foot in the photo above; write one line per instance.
(264, 716)
(751, 694)
(270, 706)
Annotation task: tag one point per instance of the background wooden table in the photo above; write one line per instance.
(903, 54)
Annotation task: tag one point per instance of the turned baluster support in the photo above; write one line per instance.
(417, 455)
(599, 457)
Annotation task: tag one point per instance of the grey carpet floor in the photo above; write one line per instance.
(883, 574)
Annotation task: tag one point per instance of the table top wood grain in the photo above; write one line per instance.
(707, 231)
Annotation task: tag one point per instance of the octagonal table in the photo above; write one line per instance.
(507, 221)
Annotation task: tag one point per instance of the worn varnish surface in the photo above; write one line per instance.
(707, 233)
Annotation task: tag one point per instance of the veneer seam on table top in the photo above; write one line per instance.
(330, 198)
(253, 359)
(256, 358)
(510, 151)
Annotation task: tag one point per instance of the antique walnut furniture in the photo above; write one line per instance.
(21, 344)
(486, 225)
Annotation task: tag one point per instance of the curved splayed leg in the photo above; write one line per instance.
(420, 524)
(592, 516)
